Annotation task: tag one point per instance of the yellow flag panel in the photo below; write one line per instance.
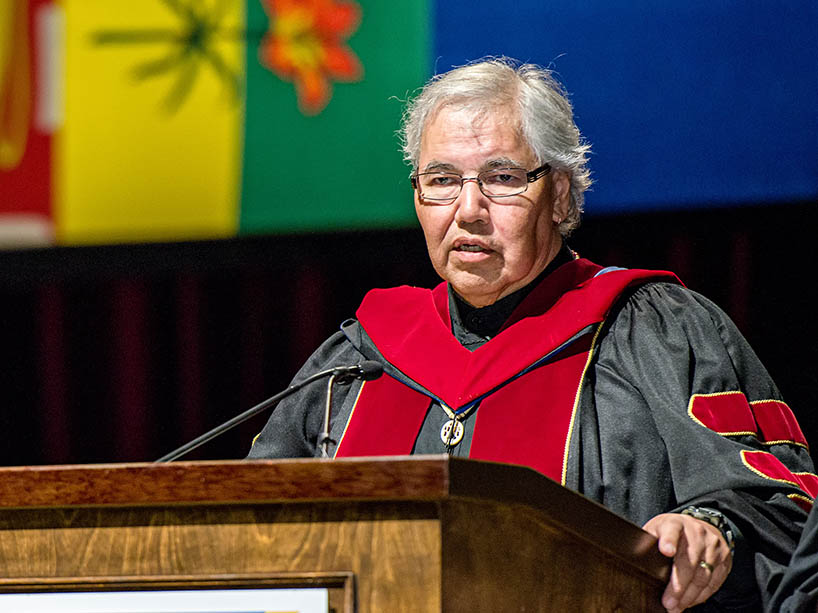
(150, 144)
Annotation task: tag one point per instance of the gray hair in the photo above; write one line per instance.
(546, 119)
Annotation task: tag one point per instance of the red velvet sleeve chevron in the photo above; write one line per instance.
(777, 422)
(768, 466)
(729, 414)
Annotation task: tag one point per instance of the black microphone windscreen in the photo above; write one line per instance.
(370, 370)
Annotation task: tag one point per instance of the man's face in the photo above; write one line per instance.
(487, 248)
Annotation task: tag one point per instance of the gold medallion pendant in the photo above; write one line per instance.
(452, 432)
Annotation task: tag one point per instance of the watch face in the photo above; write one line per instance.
(714, 518)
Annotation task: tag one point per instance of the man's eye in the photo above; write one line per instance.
(441, 180)
(502, 178)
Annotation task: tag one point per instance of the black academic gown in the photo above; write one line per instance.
(798, 590)
(635, 447)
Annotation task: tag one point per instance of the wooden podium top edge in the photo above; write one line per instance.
(224, 482)
(435, 478)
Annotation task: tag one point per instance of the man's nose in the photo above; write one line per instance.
(472, 203)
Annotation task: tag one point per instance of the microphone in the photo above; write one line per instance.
(367, 370)
(344, 375)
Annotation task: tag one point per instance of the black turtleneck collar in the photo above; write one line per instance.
(473, 326)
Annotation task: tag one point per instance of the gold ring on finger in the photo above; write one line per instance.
(706, 566)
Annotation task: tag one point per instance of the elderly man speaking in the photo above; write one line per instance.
(620, 384)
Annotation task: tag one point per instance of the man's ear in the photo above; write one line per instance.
(560, 194)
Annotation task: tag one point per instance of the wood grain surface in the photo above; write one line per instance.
(418, 534)
(208, 541)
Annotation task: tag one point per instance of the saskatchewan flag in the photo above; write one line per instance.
(187, 119)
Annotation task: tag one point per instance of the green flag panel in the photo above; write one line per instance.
(339, 166)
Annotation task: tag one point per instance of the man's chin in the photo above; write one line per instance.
(476, 290)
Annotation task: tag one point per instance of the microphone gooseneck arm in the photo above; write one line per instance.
(325, 439)
(366, 370)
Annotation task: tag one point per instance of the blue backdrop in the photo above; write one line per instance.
(694, 103)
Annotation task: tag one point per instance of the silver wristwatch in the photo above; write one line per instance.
(714, 518)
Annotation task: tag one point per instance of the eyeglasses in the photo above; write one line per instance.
(444, 187)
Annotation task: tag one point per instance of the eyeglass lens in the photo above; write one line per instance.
(496, 182)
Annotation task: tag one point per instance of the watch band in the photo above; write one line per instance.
(714, 518)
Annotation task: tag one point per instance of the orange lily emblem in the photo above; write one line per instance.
(306, 44)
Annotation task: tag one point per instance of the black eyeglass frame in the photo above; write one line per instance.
(530, 175)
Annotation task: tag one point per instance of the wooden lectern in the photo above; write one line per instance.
(418, 534)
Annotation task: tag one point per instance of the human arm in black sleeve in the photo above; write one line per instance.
(294, 426)
(667, 350)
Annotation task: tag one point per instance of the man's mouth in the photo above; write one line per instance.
(468, 247)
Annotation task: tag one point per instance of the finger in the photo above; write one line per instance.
(690, 541)
(711, 572)
(688, 579)
(667, 533)
(702, 584)
(681, 574)
(705, 583)
(673, 591)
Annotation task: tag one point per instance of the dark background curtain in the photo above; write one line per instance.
(122, 353)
